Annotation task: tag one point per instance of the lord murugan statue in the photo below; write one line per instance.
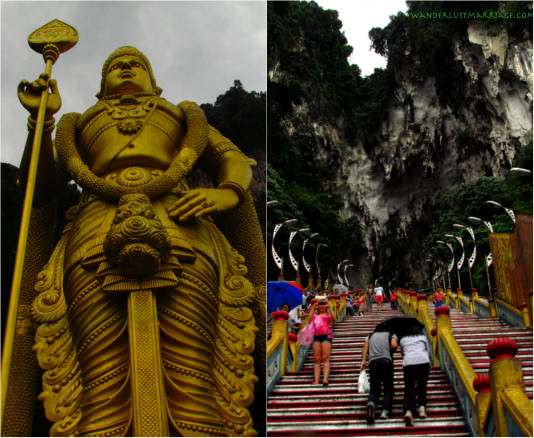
(145, 312)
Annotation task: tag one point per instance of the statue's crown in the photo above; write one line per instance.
(132, 51)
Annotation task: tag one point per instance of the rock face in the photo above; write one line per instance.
(426, 147)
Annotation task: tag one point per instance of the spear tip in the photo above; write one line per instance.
(57, 33)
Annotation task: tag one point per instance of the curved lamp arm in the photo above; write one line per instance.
(448, 245)
(338, 268)
(489, 257)
(345, 274)
(509, 211)
(473, 255)
(482, 221)
(293, 260)
(461, 242)
(304, 262)
(276, 257)
(520, 171)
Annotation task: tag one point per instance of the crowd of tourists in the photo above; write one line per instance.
(377, 352)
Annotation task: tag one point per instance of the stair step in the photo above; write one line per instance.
(343, 400)
(305, 380)
(278, 412)
(356, 414)
(296, 407)
(391, 427)
(343, 389)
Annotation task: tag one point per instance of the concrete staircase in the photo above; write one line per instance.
(474, 333)
(297, 408)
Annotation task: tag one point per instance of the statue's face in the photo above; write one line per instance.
(126, 75)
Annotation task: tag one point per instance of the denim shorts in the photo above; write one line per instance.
(321, 338)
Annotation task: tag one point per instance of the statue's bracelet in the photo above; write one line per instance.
(236, 187)
(47, 127)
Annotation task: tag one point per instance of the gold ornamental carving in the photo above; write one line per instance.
(144, 313)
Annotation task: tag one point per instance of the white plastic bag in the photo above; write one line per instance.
(363, 382)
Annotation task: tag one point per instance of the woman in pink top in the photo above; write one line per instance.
(322, 342)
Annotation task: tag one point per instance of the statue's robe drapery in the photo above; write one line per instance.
(205, 295)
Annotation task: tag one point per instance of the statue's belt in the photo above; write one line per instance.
(134, 176)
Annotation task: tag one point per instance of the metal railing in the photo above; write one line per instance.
(505, 410)
(284, 352)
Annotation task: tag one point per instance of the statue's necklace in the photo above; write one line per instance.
(130, 113)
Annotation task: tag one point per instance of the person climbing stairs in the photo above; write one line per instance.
(296, 407)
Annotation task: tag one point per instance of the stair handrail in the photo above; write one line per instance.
(425, 318)
(507, 389)
(342, 307)
(284, 344)
(511, 314)
(519, 408)
(405, 300)
(457, 367)
(302, 350)
(511, 408)
(332, 302)
(481, 307)
(465, 302)
(506, 408)
(449, 297)
(293, 348)
(277, 349)
(451, 358)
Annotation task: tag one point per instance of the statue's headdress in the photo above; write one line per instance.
(132, 51)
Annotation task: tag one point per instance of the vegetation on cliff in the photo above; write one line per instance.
(240, 116)
(453, 207)
(426, 42)
(307, 48)
(312, 85)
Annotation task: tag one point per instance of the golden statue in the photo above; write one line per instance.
(145, 313)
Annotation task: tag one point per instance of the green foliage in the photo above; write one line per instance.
(307, 57)
(315, 209)
(240, 116)
(306, 42)
(372, 95)
(456, 206)
(426, 42)
(307, 46)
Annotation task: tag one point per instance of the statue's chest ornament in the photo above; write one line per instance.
(130, 114)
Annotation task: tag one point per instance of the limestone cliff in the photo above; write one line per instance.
(427, 142)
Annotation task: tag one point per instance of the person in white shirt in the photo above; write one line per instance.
(416, 359)
(379, 296)
(295, 319)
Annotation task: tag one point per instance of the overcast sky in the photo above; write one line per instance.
(197, 49)
(358, 18)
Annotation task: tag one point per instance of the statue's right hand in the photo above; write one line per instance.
(30, 96)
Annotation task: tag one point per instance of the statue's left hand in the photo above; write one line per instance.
(202, 202)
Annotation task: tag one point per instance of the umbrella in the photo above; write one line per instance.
(297, 285)
(340, 287)
(401, 326)
(280, 292)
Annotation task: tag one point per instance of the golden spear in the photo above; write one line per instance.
(50, 40)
